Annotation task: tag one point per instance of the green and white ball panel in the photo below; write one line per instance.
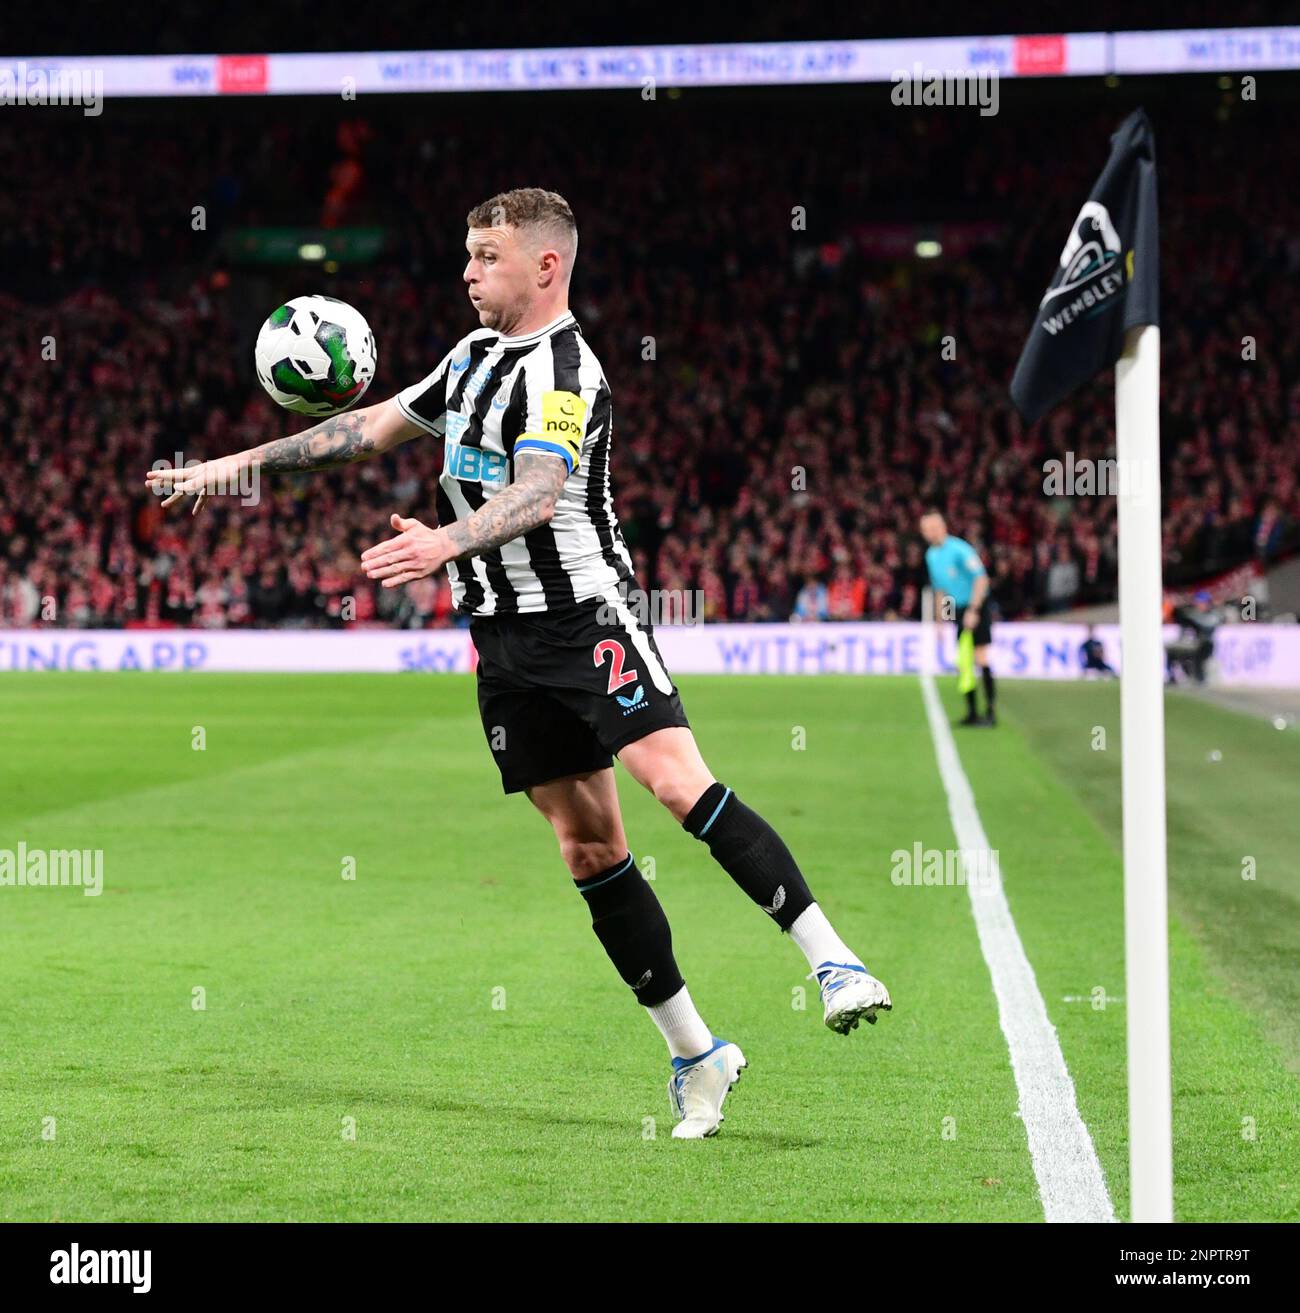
(315, 355)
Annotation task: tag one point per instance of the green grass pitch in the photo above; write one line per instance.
(441, 1037)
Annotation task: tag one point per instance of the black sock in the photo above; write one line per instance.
(970, 704)
(990, 694)
(630, 923)
(751, 852)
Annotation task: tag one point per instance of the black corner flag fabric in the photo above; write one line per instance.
(1107, 280)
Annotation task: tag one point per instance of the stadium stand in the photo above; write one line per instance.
(797, 414)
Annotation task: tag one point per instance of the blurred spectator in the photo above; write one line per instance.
(1092, 656)
(1188, 653)
(846, 597)
(812, 602)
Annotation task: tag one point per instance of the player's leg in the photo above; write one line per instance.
(668, 762)
(1204, 651)
(545, 745)
(626, 916)
(583, 812)
(984, 660)
(610, 672)
(619, 685)
(630, 923)
(545, 751)
(967, 659)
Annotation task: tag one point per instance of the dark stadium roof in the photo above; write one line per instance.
(87, 27)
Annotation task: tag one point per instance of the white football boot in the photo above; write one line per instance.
(699, 1085)
(851, 994)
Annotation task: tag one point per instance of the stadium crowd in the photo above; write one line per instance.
(788, 396)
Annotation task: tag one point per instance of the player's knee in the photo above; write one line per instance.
(677, 794)
(586, 857)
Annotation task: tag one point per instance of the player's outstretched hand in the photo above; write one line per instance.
(417, 551)
(227, 474)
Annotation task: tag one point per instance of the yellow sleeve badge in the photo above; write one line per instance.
(564, 420)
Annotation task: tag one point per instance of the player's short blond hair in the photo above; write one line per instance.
(544, 215)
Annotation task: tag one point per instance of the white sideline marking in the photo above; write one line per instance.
(1070, 1180)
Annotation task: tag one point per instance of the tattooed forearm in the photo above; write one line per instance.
(336, 441)
(528, 502)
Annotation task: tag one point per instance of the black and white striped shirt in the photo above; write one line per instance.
(493, 396)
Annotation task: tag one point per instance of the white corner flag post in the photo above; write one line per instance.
(1142, 725)
(1111, 260)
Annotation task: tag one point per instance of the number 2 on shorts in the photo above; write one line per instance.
(614, 650)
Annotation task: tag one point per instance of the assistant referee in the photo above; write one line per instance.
(957, 572)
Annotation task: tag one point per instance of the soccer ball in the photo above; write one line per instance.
(315, 355)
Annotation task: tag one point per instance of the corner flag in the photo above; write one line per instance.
(1107, 280)
(1102, 308)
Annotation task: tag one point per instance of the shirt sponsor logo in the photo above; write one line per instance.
(475, 465)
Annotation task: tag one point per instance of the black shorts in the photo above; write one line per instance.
(560, 692)
(983, 626)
